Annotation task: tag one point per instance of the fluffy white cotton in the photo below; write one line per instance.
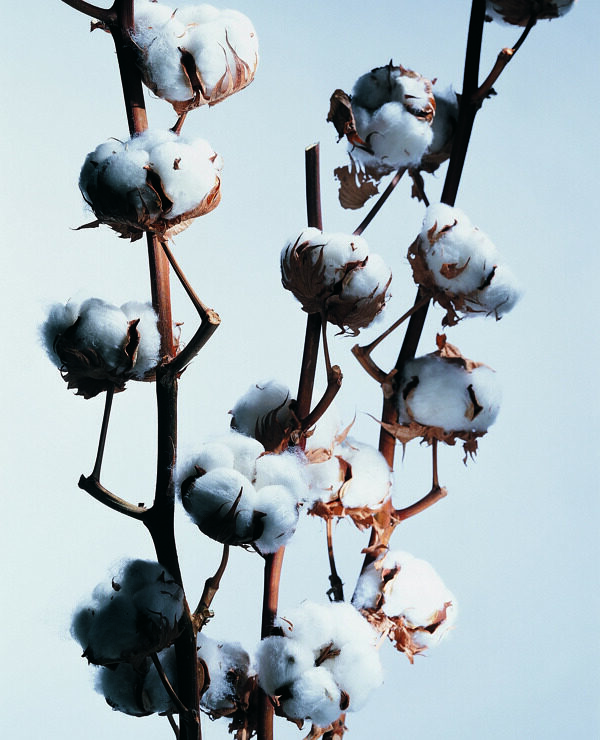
(416, 594)
(315, 696)
(262, 400)
(459, 255)
(370, 475)
(136, 615)
(222, 46)
(358, 685)
(437, 391)
(280, 661)
(367, 279)
(498, 297)
(285, 469)
(228, 667)
(245, 450)
(445, 120)
(148, 351)
(60, 318)
(280, 507)
(210, 501)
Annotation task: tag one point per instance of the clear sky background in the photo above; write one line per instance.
(516, 539)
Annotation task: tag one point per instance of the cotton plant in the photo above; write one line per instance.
(404, 598)
(459, 265)
(336, 275)
(194, 55)
(239, 495)
(155, 181)
(324, 662)
(138, 614)
(98, 346)
(265, 412)
(232, 676)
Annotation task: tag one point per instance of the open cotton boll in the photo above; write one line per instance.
(280, 507)
(148, 351)
(325, 479)
(208, 456)
(443, 128)
(263, 412)
(280, 661)
(194, 55)
(357, 684)
(310, 623)
(154, 692)
(397, 138)
(436, 391)
(156, 181)
(315, 696)
(286, 469)
(519, 12)
(103, 327)
(245, 450)
(137, 615)
(229, 668)
(498, 297)
(211, 503)
(459, 255)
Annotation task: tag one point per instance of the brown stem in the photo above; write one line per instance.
(336, 592)
(176, 129)
(161, 294)
(211, 586)
(167, 684)
(173, 725)
(504, 57)
(380, 201)
(106, 15)
(436, 494)
(103, 431)
(97, 491)
(334, 383)
(313, 187)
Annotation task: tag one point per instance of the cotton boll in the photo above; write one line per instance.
(208, 456)
(280, 661)
(325, 479)
(103, 327)
(310, 624)
(357, 670)
(209, 502)
(148, 351)
(314, 696)
(368, 588)
(370, 479)
(519, 12)
(444, 122)
(286, 469)
(350, 625)
(228, 667)
(60, 318)
(246, 450)
(122, 687)
(438, 392)
(154, 694)
(280, 507)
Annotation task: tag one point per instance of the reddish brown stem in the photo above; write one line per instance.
(103, 432)
(436, 494)
(106, 15)
(211, 586)
(92, 486)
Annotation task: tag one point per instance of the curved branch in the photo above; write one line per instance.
(106, 15)
(97, 491)
(380, 201)
(167, 684)
(436, 494)
(211, 586)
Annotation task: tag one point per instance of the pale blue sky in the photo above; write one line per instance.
(516, 539)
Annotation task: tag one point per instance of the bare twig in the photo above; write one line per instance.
(380, 201)
(103, 431)
(436, 494)
(334, 383)
(92, 486)
(106, 15)
(167, 684)
(173, 724)
(211, 586)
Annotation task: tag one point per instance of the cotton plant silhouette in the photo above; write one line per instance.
(287, 454)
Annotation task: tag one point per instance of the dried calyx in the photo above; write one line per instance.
(520, 12)
(335, 275)
(155, 181)
(195, 55)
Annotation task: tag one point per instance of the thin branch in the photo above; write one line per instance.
(334, 383)
(211, 586)
(167, 684)
(313, 187)
(336, 592)
(380, 201)
(103, 432)
(504, 57)
(106, 15)
(173, 724)
(92, 486)
(435, 495)
(210, 319)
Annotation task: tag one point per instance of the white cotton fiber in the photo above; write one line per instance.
(228, 665)
(103, 327)
(357, 684)
(245, 451)
(280, 507)
(366, 280)
(148, 351)
(436, 391)
(251, 411)
(315, 696)
(445, 120)
(498, 297)
(370, 480)
(60, 318)
(280, 661)
(286, 469)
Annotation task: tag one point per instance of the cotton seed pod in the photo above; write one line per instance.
(324, 663)
(155, 181)
(393, 108)
(519, 12)
(403, 597)
(231, 675)
(138, 615)
(196, 55)
(264, 413)
(449, 393)
(460, 266)
(98, 346)
(335, 274)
